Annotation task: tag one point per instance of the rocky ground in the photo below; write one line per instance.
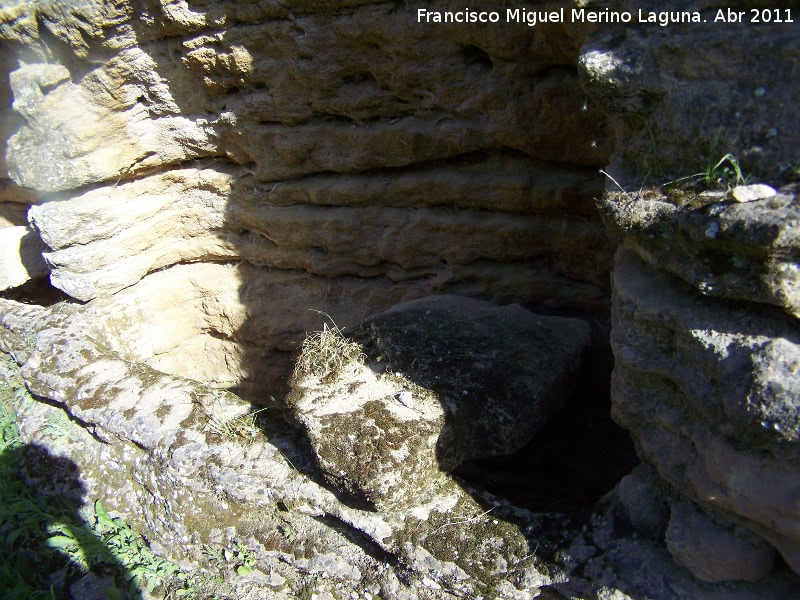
(206, 184)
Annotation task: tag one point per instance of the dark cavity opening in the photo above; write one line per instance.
(477, 58)
(36, 291)
(579, 456)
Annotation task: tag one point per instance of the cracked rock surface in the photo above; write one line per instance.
(200, 177)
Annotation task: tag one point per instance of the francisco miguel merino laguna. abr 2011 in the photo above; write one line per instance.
(582, 15)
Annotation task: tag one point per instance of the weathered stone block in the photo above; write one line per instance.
(448, 379)
(715, 552)
(369, 441)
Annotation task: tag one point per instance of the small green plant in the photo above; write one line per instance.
(142, 567)
(305, 588)
(724, 174)
(43, 535)
(324, 353)
(235, 556)
(60, 429)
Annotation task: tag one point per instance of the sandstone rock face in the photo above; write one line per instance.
(704, 326)
(107, 239)
(204, 173)
(448, 379)
(20, 255)
(13, 214)
(707, 391)
(713, 552)
(337, 146)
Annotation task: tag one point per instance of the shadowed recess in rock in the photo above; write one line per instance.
(207, 176)
(579, 456)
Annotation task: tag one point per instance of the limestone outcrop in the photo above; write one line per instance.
(203, 179)
(197, 467)
(201, 471)
(704, 319)
(20, 248)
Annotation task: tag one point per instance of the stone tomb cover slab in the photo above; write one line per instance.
(439, 380)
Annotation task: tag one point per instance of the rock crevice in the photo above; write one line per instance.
(203, 179)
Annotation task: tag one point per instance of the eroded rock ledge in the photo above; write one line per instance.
(204, 173)
(319, 148)
(192, 466)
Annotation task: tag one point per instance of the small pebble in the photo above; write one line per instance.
(749, 193)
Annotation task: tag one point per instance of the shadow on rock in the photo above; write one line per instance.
(48, 548)
(396, 406)
(418, 390)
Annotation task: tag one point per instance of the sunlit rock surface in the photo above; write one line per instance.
(205, 175)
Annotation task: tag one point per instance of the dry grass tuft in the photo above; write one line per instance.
(324, 353)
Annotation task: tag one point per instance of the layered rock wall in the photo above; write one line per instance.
(340, 156)
(686, 94)
(704, 317)
(204, 173)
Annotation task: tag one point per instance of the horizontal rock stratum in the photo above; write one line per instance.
(211, 183)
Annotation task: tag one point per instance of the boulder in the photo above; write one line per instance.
(642, 494)
(709, 392)
(716, 552)
(446, 379)
(373, 438)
